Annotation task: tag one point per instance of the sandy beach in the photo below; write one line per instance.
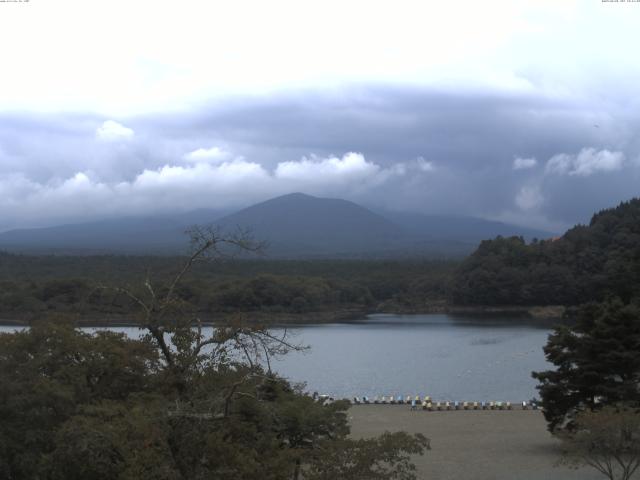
(474, 445)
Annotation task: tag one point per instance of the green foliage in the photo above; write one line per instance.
(597, 362)
(79, 406)
(48, 373)
(31, 286)
(174, 405)
(387, 456)
(588, 263)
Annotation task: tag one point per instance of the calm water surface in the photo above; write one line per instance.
(449, 358)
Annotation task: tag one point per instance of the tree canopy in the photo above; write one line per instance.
(607, 440)
(176, 404)
(597, 362)
(587, 263)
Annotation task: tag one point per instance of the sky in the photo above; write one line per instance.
(525, 112)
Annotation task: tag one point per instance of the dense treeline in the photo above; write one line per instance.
(588, 263)
(79, 406)
(31, 285)
(179, 403)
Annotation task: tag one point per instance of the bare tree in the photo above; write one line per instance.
(607, 440)
(176, 328)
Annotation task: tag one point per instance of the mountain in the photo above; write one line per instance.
(162, 234)
(294, 226)
(299, 225)
(302, 225)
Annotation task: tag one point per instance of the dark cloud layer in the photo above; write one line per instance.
(417, 149)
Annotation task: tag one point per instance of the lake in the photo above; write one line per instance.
(446, 357)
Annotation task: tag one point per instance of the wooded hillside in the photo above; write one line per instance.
(587, 263)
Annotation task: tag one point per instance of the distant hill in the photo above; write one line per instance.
(294, 226)
(302, 225)
(587, 263)
(463, 229)
(152, 235)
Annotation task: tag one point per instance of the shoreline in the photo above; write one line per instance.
(528, 311)
(550, 312)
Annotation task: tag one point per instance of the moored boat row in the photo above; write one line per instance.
(426, 403)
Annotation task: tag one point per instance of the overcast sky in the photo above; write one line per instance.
(527, 112)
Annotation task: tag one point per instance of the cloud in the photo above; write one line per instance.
(415, 149)
(585, 163)
(524, 163)
(112, 131)
(310, 170)
(213, 154)
(227, 184)
(504, 44)
(214, 178)
(351, 174)
(424, 165)
(529, 198)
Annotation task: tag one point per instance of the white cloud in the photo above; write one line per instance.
(524, 163)
(352, 173)
(231, 183)
(201, 177)
(424, 165)
(585, 163)
(111, 131)
(213, 154)
(529, 198)
(494, 43)
(350, 166)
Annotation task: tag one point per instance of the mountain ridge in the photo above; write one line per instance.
(295, 225)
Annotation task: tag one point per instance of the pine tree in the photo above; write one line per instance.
(597, 360)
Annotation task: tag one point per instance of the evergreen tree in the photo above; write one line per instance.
(597, 360)
(587, 263)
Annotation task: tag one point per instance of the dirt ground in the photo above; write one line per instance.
(473, 445)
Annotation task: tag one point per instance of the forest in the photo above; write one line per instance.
(174, 404)
(589, 262)
(34, 285)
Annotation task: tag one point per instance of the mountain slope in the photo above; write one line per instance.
(299, 224)
(294, 225)
(153, 235)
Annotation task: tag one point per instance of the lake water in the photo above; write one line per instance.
(446, 357)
